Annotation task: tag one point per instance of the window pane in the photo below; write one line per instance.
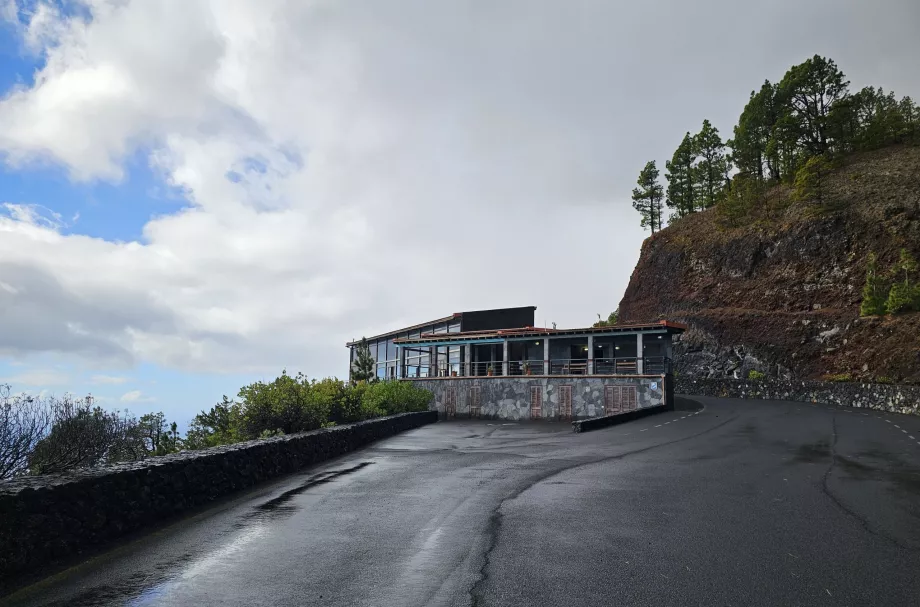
(373, 348)
(381, 351)
(391, 350)
(381, 371)
(454, 328)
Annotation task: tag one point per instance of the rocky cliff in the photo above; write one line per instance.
(779, 292)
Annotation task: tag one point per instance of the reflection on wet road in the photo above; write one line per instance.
(742, 502)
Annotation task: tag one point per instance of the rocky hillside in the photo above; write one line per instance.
(781, 293)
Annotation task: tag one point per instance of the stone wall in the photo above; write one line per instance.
(886, 397)
(47, 519)
(509, 398)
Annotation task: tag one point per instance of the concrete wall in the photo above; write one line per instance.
(46, 519)
(509, 398)
(894, 398)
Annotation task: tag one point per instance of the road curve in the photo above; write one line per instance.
(739, 503)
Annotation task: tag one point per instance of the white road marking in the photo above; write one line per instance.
(658, 426)
(643, 430)
(911, 437)
(888, 421)
(904, 431)
(897, 426)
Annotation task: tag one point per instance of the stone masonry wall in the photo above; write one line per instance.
(509, 398)
(886, 397)
(50, 518)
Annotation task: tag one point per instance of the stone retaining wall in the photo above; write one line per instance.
(509, 397)
(46, 519)
(886, 397)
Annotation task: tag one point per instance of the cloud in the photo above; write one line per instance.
(136, 396)
(108, 379)
(41, 378)
(353, 166)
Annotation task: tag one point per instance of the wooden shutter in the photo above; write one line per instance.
(450, 402)
(565, 402)
(475, 396)
(536, 401)
(620, 399)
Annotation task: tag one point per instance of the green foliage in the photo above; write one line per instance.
(808, 93)
(875, 291)
(712, 168)
(83, 436)
(612, 319)
(753, 133)
(904, 295)
(744, 193)
(363, 367)
(755, 374)
(811, 180)
(838, 377)
(214, 427)
(647, 197)
(158, 436)
(680, 178)
(391, 397)
(284, 405)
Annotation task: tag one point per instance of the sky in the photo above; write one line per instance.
(198, 194)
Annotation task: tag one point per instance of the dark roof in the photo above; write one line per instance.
(670, 326)
(453, 316)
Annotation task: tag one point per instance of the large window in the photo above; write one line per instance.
(453, 328)
(372, 345)
(390, 349)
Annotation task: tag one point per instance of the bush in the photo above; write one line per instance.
(838, 377)
(754, 374)
(285, 405)
(810, 180)
(901, 299)
(391, 397)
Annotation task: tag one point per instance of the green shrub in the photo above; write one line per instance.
(875, 291)
(390, 397)
(285, 405)
(810, 180)
(883, 379)
(754, 374)
(838, 377)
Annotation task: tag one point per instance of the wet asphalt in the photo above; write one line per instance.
(738, 503)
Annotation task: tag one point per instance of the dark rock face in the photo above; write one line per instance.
(780, 294)
(46, 519)
(896, 399)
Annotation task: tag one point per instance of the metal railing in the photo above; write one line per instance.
(652, 365)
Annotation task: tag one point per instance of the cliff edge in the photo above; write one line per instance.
(779, 292)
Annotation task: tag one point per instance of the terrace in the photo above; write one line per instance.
(619, 350)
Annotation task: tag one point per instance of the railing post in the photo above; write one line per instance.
(546, 368)
(639, 354)
(590, 368)
(506, 369)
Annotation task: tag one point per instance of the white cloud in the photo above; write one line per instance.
(136, 396)
(43, 378)
(357, 165)
(108, 379)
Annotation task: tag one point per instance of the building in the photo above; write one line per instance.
(496, 364)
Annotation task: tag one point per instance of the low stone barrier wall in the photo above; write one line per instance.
(596, 423)
(885, 397)
(514, 397)
(47, 519)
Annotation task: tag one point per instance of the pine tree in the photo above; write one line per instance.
(712, 168)
(809, 91)
(680, 179)
(875, 291)
(903, 296)
(755, 126)
(363, 368)
(647, 197)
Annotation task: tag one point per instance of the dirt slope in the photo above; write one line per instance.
(781, 294)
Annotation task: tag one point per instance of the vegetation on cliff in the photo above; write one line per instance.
(792, 132)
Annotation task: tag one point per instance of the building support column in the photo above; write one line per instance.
(590, 370)
(505, 366)
(400, 362)
(468, 360)
(639, 354)
(546, 367)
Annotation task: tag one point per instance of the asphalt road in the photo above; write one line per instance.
(741, 503)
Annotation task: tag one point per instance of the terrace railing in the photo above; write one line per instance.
(652, 365)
